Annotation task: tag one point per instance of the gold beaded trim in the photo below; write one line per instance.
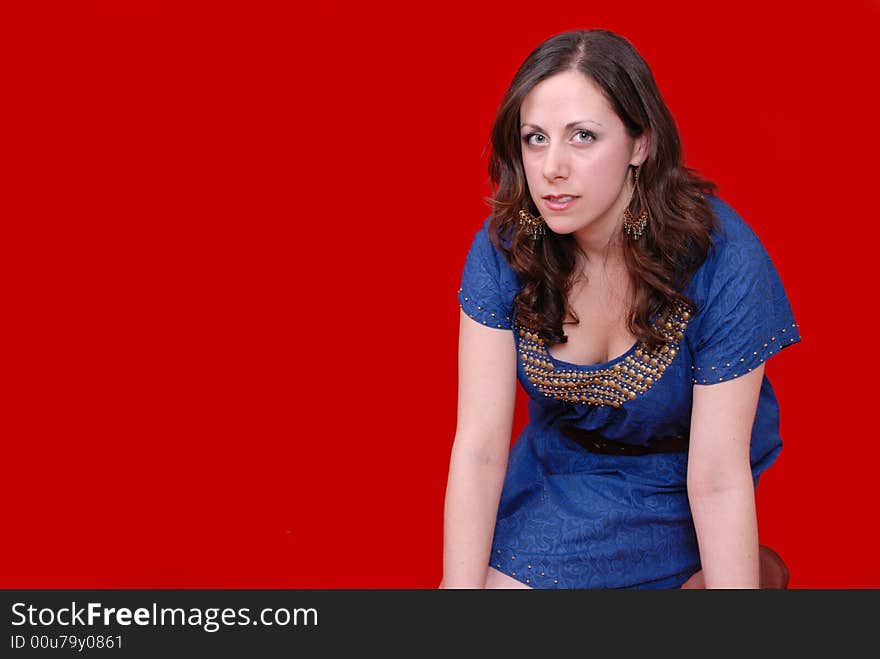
(614, 385)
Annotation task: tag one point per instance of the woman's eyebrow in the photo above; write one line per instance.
(571, 124)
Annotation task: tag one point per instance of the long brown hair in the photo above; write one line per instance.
(678, 235)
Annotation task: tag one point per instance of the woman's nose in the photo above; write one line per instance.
(555, 163)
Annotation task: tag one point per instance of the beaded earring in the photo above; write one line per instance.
(532, 226)
(635, 226)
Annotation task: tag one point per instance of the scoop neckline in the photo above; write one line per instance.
(589, 367)
(599, 366)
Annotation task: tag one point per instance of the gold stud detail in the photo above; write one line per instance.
(612, 386)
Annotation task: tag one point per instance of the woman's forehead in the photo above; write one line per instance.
(564, 98)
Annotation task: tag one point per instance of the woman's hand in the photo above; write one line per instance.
(696, 581)
(774, 572)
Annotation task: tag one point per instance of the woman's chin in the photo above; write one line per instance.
(558, 223)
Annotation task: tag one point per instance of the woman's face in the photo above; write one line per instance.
(573, 144)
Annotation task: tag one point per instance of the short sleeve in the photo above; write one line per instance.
(486, 294)
(746, 316)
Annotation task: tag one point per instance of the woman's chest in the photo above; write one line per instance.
(601, 333)
(631, 375)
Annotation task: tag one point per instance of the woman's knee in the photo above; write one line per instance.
(496, 579)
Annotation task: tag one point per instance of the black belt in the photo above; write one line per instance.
(593, 441)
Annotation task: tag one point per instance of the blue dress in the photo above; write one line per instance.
(571, 518)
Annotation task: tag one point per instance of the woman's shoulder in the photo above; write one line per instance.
(731, 226)
(732, 233)
(735, 251)
(484, 233)
(488, 283)
(491, 254)
(734, 242)
(743, 313)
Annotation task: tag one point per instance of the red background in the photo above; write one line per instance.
(233, 238)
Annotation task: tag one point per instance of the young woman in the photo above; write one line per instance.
(637, 310)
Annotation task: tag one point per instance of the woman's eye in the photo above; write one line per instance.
(537, 138)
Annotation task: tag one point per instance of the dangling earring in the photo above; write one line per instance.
(533, 226)
(635, 226)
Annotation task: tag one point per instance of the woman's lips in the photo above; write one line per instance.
(560, 203)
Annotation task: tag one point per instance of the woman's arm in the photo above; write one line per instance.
(486, 399)
(719, 481)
